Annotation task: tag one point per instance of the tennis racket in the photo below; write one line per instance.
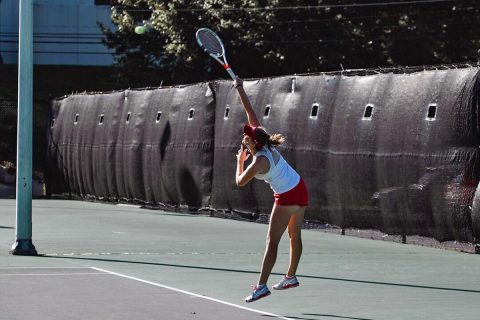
(212, 44)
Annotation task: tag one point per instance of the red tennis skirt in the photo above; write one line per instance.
(298, 196)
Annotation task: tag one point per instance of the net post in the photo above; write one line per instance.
(23, 244)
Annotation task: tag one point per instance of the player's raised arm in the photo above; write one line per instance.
(252, 118)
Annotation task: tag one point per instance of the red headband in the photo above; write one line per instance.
(251, 132)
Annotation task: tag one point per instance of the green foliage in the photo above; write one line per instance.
(269, 38)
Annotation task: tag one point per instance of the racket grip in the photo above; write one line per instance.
(230, 72)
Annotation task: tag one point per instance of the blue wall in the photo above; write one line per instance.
(65, 32)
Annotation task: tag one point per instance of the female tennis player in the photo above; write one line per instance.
(290, 193)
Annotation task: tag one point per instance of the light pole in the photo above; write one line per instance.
(23, 243)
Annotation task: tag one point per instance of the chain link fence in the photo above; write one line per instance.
(8, 131)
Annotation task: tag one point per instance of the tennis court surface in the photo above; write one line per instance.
(102, 261)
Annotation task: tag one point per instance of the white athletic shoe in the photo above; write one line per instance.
(259, 292)
(287, 282)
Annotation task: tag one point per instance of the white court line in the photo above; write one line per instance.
(193, 294)
(13, 268)
(51, 274)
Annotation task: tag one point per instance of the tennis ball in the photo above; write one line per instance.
(139, 29)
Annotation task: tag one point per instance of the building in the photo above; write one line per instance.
(66, 32)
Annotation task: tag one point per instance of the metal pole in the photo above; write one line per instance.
(23, 244)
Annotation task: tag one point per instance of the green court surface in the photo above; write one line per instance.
(103, 261)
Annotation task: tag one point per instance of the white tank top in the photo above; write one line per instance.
(281, 176)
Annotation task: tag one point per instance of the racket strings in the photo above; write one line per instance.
(211, 43)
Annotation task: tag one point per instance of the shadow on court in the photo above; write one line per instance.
(320, 316)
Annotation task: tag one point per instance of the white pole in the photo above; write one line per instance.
(23, 244)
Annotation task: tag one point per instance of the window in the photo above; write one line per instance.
(314, 112)
(191, 113)
(104, 2)
(432, 112)
(367, 114)
(101, 119)
(227, 112)
(267, 111)
(159, 115)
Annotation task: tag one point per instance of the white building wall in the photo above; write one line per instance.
(66, 32)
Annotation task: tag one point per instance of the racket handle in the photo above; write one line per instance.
(230, 72)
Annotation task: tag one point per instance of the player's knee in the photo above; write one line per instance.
(272, 243)
(295, 235)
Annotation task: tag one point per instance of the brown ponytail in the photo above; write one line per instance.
(265, 139)
(276, 139)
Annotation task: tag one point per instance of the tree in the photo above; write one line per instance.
(270, 38)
